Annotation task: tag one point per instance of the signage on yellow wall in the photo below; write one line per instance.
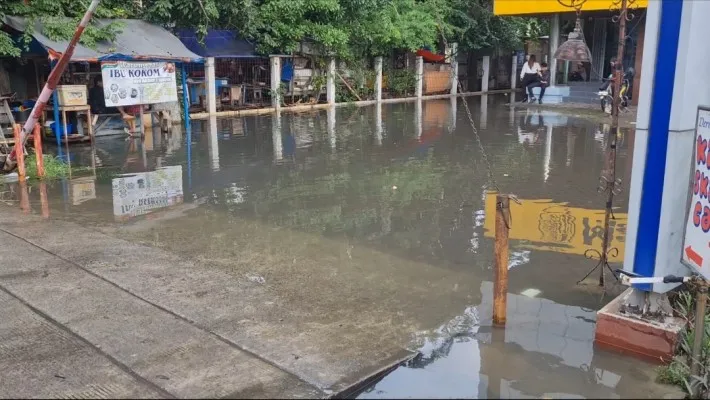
(550, 226)
(519, 7)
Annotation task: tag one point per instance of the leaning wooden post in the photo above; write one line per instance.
(500, 285)
(19, 153)
(39, 157)
(699, 337)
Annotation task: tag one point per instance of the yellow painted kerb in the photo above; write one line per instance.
(519, 7)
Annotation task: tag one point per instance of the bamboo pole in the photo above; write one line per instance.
(19, 152)
(39, 156)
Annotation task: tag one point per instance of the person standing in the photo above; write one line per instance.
(543, 83)
(529, 74)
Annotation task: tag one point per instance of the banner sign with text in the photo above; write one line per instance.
(134, 83)
(696, 242)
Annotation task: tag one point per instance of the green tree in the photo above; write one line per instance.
(59, 19)
(476, 27)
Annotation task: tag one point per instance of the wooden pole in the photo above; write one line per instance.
(19, 153)
(37, 137)
(500, 285)
(696, 355)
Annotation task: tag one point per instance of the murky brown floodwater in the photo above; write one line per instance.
(406, 181)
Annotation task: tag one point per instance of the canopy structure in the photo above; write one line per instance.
(137, 41)
(218, 44)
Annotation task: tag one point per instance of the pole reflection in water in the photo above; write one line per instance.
(24, 197)
(548, 152)
(484, 112)
(378, 124)
(213, 144)
(418, 118)
(331, 126)
(188, 143)
(144, 154)
(44, 202)
(453, 109)
(276, 139)
(571, 139)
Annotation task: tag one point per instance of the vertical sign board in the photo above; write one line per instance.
(696, 241)
(135, 83)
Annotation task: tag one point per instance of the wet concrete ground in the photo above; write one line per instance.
(327, 244)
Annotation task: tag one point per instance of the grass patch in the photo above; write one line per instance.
(678, 371)
(54, 168)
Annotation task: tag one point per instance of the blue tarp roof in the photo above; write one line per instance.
(137, 40)
(218, 43)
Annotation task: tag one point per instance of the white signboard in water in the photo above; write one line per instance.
(132, 83)
(145, 192)
(696, 242)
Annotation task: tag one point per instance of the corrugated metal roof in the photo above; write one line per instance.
(218, 43)
(138, 40)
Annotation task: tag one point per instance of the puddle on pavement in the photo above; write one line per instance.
(385, 198)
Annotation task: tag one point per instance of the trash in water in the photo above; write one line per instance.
(256, 279)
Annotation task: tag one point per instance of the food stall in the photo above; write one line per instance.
(75, 104)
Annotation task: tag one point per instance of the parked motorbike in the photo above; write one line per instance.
(607, 100)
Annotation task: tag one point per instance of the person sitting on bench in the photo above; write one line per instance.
(543, 83)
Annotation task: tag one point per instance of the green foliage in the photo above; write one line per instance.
(678, 371)
(348, 29)
(54, 168)
(60, 18)
(477, 27)
(401, 82)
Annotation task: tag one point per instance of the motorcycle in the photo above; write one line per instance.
(607, 100)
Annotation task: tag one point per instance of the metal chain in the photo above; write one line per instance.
(491, 179)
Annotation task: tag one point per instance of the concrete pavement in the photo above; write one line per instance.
(67, 332)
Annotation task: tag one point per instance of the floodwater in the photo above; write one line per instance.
(377, 194)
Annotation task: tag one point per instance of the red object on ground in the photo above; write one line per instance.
(428, 56)
(652, 341)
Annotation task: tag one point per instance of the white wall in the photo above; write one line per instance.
(691, 89)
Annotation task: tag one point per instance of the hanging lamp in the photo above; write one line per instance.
(575, 48)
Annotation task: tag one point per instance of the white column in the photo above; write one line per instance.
(211, 86)
(484, 112)
(420, 76)
(418, 118)
(213, 140)
(454, 69)
(691, 89)
(486, 73)
(276, 139)
(554, 42)
(378, 124)
(330, 85)
(378, 78)
(514, 73)
(275, 63)
(331, 127)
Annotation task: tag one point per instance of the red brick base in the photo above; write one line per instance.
(650, 340)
